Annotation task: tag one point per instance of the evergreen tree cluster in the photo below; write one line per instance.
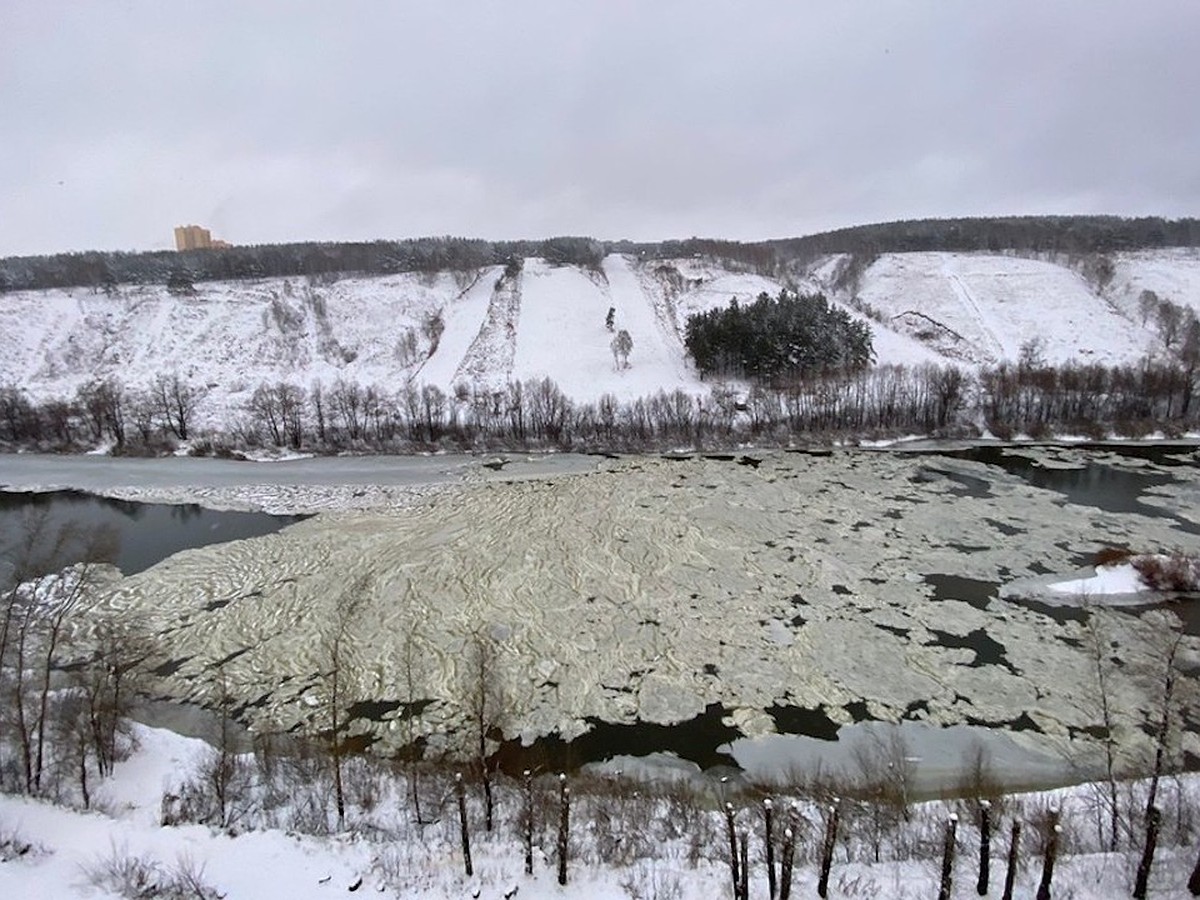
(778, 337)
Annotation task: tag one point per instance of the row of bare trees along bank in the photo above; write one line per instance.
(1022, 398)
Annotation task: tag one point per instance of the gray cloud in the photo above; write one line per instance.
(280, 121)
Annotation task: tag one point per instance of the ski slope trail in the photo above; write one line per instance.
(563, 334)
(464, 320)
(981, 309)
(650, 315)
(993, 348)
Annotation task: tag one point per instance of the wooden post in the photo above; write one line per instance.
(744, 871)
(1194, 881)
(733, 850)
(1043, 891)
(769, 841)
(1014, 857)
(985, 847)
(462, 823)
(948, 858)
(528, 822)
(785, 864)
(564, 824)
(827, 845)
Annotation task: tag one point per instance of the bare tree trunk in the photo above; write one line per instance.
(335, 747)
(488, 800)
(346, 609)
(486, 706)
(56, 619)
(24, 736)
(462, 823)
(1163, 732)
(769, 845)
(83, 773)
(410, 714)
(528, 822)
(1098, 651)
(1153, 821)
(948, 858)
(564, 825)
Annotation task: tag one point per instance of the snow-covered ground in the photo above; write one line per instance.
(1172, 274)
(983, 308)
(549, 321)
(624, 846)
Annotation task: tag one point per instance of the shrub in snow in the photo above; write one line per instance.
(1168, 572)
(13, 846)
(144, 878)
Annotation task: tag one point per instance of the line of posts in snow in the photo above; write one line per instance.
(779, 849)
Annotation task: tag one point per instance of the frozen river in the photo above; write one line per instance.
(740, 609)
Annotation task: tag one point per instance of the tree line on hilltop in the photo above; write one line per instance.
(1071, 235)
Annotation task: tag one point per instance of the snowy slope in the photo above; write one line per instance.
(1173, 274)
(463, 319)
(548, 321)
(563, 334)
(984, 308)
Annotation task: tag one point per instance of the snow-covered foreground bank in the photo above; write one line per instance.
(650, 590)
(625, 843)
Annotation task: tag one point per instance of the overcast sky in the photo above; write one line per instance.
(280, 121)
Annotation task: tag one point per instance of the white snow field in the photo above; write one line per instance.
(1172, 274)
(982, 308)
(548, 321)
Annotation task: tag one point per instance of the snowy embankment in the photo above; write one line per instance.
(626, 840)
(488, 328)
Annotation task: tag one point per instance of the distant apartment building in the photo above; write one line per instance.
(193, 237)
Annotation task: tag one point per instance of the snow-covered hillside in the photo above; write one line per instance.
(488, 327)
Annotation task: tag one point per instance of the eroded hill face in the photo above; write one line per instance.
(492, 326)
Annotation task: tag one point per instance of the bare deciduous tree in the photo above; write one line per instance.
(337, 647)
(486, 708)
(176, 400)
